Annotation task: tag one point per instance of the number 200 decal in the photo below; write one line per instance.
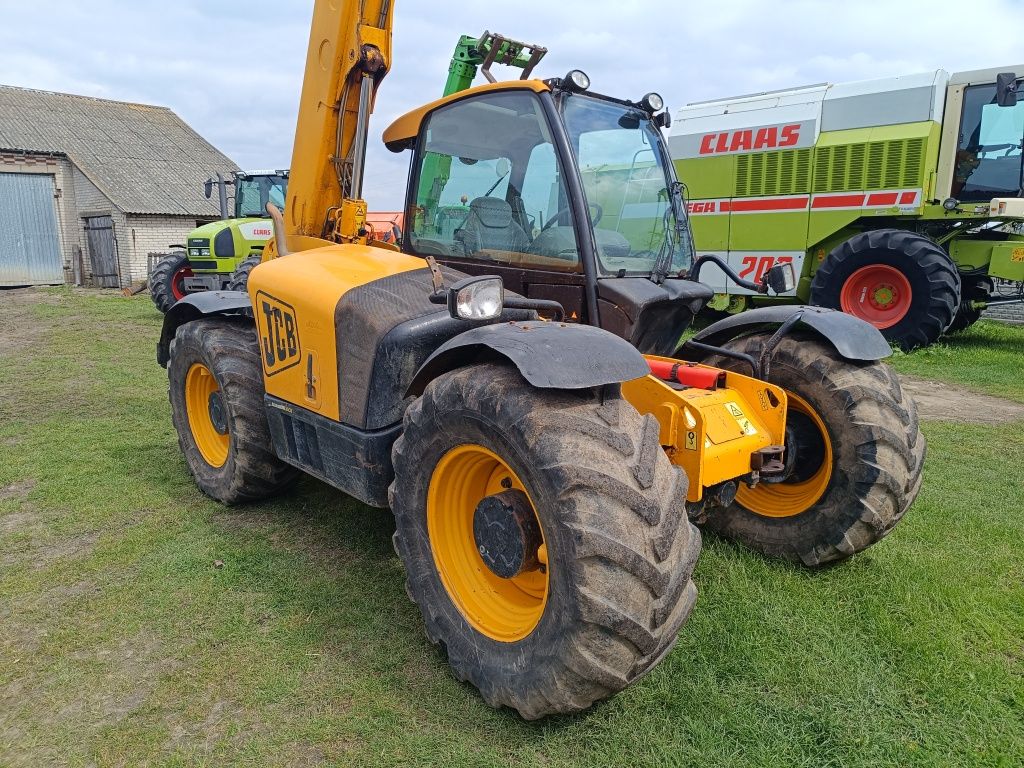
(279, 333)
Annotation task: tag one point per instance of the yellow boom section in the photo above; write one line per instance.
(349, 54)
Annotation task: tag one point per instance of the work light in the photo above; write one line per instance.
(577, 80)
(477, 298)
(652, 102)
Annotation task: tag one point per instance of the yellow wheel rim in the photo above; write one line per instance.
(505, 610)
(788, 499)
(212, 439)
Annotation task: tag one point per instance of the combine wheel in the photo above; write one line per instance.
(902, 283)
(240, 277)
(216, 390)
(543, 537)
(167, 282)
(976, 289)
(854, 452)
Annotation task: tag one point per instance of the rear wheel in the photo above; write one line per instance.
(543, 537)
(167, 281)
(216, 391)
(977, 289)
(240, 277)
(900, 282)
(854, 455)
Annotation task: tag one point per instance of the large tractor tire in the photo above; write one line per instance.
(240, 277)
(900, 282)
(544, 537)
(975, 289)
(216, 391)
(167, 281)
(854, 451)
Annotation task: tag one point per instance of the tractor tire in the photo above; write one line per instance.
(974, 288)
(240, 277)
(606, 602)
(166, 283)
(901, 282)
(216, 392)
(857, 463)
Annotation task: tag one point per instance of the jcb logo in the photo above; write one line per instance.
(279, 333)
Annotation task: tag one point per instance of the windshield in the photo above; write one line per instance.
(988, 157)
(252, 193)
(633, 205)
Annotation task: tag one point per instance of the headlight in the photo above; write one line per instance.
(950, 203)
(476, 298)
(204, 252)
(652, 102)
(577, 80)
(193, 252)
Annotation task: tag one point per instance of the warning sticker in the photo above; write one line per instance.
(691, 441)
(1017, 254)
(741, 419)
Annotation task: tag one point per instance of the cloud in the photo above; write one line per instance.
(234, 71)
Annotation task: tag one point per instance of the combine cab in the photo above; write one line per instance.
(897, 200)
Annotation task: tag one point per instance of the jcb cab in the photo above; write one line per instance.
(523, 408)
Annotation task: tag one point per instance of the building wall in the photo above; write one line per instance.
(61, 169)
(152, 234)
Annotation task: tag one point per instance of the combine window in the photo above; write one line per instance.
(988, 157)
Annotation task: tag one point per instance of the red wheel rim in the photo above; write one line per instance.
(877, 293)
(178, 283)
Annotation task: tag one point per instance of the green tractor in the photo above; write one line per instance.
(220, 255)
(898, 201)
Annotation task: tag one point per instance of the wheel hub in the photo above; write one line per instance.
(218, 414)
(884, 296)
(507, 534)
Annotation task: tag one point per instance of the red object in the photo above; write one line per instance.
(687, 374)
(877, 293)
(178, 282)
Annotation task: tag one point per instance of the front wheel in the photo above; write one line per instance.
(543, 537)
(854, 455)
(901, 282)
(167, 281)
(240, 277)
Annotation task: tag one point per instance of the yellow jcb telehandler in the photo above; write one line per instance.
(544, 450)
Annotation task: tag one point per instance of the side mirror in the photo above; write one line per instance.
(663, 120)
(1006, 89)
(208, 188)
(780, 279)
(477, 298)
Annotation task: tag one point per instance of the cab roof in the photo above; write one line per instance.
(401, 133)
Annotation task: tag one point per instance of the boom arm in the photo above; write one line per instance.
(349, 54)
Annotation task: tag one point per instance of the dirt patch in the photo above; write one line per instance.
(20, 328)
(16, 490)
(938, 401)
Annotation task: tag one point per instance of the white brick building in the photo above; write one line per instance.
(111, 181)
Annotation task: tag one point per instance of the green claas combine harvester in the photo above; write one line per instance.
(897, 200)
(220, 255)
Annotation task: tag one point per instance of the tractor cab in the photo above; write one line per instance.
(567, 195)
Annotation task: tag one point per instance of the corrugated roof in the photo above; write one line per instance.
(145, 158)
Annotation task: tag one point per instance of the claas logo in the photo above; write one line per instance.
(750, 139)
(279, 333)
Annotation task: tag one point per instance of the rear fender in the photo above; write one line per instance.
(853, 338)
(195, 306)
(549, 355)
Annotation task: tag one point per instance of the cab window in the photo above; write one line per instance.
(490, 187)
(988, 157)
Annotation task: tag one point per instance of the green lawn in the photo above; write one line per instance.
(122, 642)
(988, 357)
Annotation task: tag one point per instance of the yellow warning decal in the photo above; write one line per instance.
(691, 440)
(741, 419)
(1017, 254)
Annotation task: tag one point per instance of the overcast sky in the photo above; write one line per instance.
(236, 78)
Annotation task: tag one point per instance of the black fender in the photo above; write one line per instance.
(196, 305)
(853, 338)
(549, 355)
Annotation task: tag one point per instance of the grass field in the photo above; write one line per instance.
(123, 643)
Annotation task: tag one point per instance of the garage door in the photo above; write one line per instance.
(29, 246)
